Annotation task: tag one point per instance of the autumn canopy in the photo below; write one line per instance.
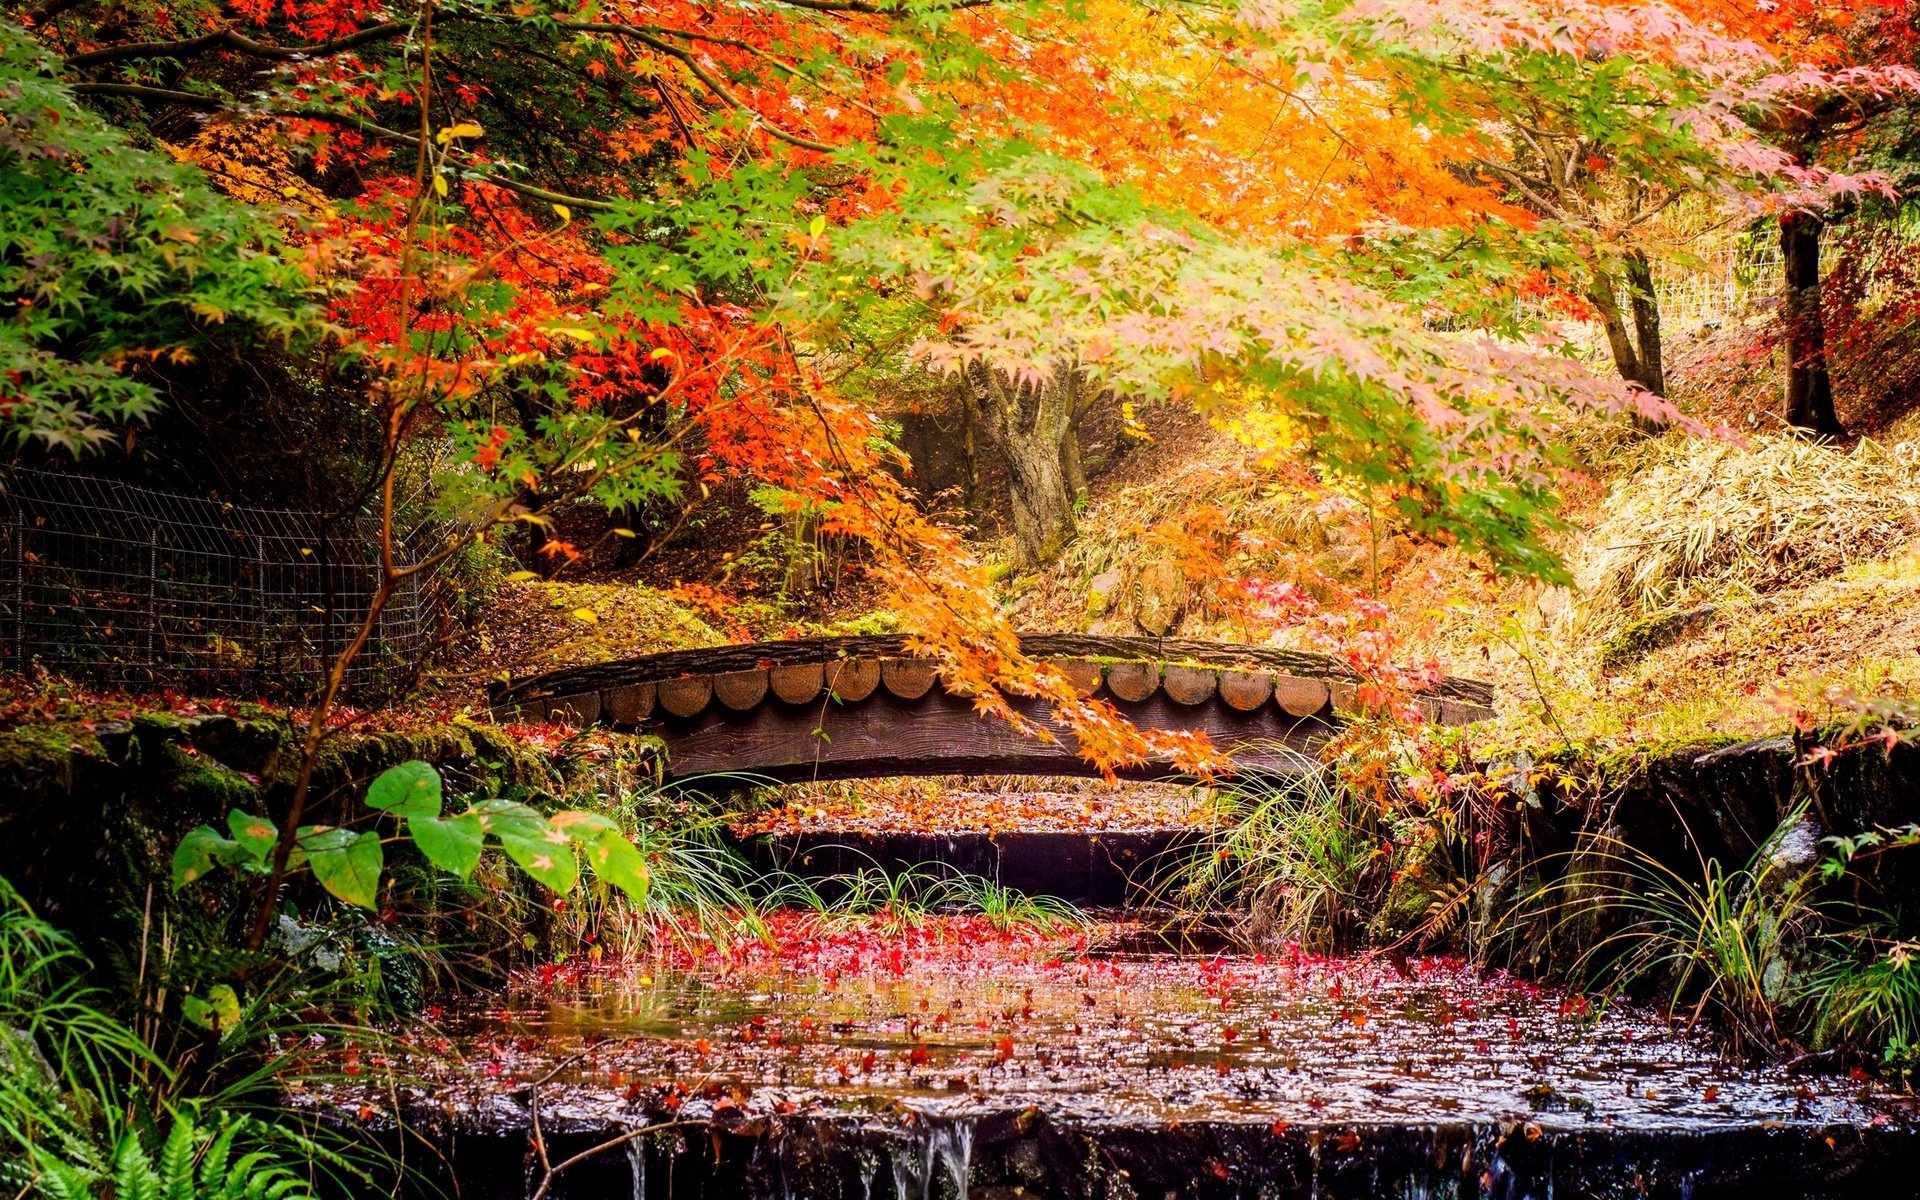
(627, 251)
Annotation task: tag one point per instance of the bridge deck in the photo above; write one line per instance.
(859, 707)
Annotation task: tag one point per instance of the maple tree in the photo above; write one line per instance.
(1883, 37)
(615, 250)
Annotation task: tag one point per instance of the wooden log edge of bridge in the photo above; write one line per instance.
(683, 684)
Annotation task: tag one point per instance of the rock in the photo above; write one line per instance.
(1101, 590)
(1629, 645)
(1162, 595)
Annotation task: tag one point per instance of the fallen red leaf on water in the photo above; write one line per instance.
(1003, 1049)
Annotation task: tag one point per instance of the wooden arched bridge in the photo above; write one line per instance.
(840, 708)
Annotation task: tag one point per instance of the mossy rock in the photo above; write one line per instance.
(1629, 645)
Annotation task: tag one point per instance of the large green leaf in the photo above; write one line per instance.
(452, 844)
(614, 859)
(582, 826)
(510, 818)
(548, 858)
(200, 852)
(347, 864)
(411, 789)
(257, 836)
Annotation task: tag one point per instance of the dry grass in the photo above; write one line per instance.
(1709, 521)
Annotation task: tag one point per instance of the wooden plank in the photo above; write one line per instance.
(686, 696)
(581, 710)
(1346, 698)
(1300, 697)
(628, 705)
(1083, 673)
(908, 678)
(853, 679)
(1133, 681)
(1455, 712)
(741, 690)
(799, 683)
(717, 660)
(1245, 691)
(1189, 685)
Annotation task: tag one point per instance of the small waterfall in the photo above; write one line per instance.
(637, 1164)
(935, 1150)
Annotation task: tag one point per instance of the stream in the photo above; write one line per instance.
(957, 1060)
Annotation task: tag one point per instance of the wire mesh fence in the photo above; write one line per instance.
(139, 588)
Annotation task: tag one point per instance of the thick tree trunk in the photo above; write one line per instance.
(1028, 424)
(1809, 399)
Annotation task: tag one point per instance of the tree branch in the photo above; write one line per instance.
(359, 124)
(231, 39)
(712, 82)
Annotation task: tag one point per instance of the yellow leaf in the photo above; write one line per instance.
(566, 214)
(522, 576)
(440, 185)
(818, 226)
(660, 352)
(587, 615)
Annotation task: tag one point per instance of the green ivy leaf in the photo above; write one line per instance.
(257, 836)
(218, 1009)
(411, 789)
(347, 864)
(615, 860)
(548, 858)
(452, 844)
(200, 852)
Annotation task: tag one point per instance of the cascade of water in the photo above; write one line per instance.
(953, 1146)
(637, 1164)
(947, 1146)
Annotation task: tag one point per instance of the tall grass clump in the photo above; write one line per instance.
(1726, 940)
(893, 902)
(1294, 858)
(1707, 519)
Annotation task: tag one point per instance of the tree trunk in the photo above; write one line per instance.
(1070, 465)
(1028, 424)
(1646, 324)
(1809, 399)
(1638, 361)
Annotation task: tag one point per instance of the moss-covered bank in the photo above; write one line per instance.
(90, 811)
